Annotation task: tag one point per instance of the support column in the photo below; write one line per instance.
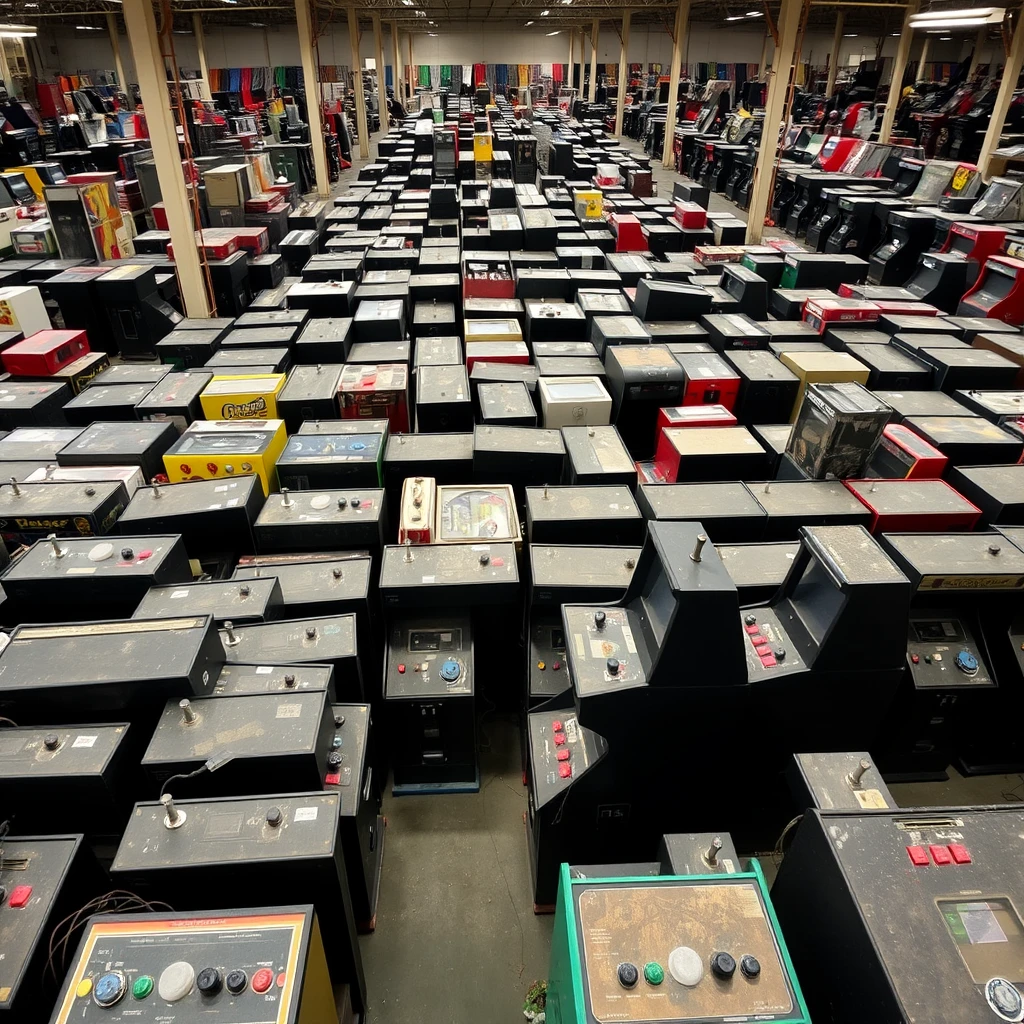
(980, 42)
(620, 106)
(115, 45)
(397, 75)
(357, 84)
(572, 45)
(412, 68)
(382, 93)
(163, 136)
(898, 67)
(1007, 85)
(204, 67)
(837, 42)
(595, 35)
(763, 65)
(678, 49)
(919, 77)
(583, 58)
(314, 102)
(778, 87)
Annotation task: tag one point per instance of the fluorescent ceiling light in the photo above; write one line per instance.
(958, 19)
(734, 17)
(755, 14)
(257, 24)
(555, 33)
(528, 24)
(544, 14)
(18, 31)
(408, 3)
(88, 28)
(849, 35)
(432, 34)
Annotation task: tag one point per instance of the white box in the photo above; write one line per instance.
(131, 476)
(22, 309)
(574, 402)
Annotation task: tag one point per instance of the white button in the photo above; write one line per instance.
(685, 966)
(98, 552)
(176, 981)
(321, 501)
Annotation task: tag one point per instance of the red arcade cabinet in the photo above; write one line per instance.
(998, 293)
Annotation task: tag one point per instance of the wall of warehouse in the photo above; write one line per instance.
(68, 51)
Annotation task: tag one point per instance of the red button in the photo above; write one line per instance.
(143, 555)
(768, 660)
(559, 738)
(752, 629)
(332, 779)
(758, 639)
(497, 562)
(401, 670)
(20, 895)
(280, 980)
(915, 658)
(763, 650)
(940, 854)
(918, 857)
(556, 725)
(262, 980)
(959, 853)
(562, 755)
(565, 769)
(557, 665)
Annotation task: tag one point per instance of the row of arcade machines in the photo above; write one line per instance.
(907, 645)
(877, 913)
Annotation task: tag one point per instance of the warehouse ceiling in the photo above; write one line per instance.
(872, 20)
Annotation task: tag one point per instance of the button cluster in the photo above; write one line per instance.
(176, 981)
(687, 968)
(770, 656)
(562, 754)
(953, 853)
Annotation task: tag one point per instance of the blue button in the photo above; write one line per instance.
(967, 662)
(109, 988)
(450, 671)
(358, 446)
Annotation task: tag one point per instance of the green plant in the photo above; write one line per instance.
(536, 997)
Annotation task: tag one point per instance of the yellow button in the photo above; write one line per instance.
(937, 657)
(540, 665)
(84, 988)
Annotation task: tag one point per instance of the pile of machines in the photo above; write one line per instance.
(690, 508)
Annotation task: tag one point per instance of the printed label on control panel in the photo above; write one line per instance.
(85, 741)
(305, 813)
(289, 711)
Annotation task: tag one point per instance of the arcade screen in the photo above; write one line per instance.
(20, 188)
(907, 177)
(989, 937)
(1001, 194)
(658, 602)
(934, 179)
(817, 600)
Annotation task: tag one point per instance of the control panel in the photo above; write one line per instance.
(314, 584)
(943, 652)
(430, 658)
(767, 646)
(416, 521)
(321, 519)
(233, 967)
(32, 874)
(549, 674)
(255, 600)
(280, 740)
(844, 781)
(238, 679)
(673, 949)
(469, 573)
(602, 648)
(560, 750)
(55, 752)
(567, 573)
(348, 753)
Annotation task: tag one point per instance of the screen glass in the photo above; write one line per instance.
(989, 936)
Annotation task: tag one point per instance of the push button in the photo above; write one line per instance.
(959, 853)
(142, 987)
(556, 725)
(562, 755)
(262, 980)
(565, 769)
(559, 738)
(940, 854)
(20, 895)
(917, 856)
(332, 779)
(401, 670)
(628, 975)
(768, 660)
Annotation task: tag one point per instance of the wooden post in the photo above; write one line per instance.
(378, 54)
(620, 107)
(1007, 85)
(357, 84)
(115, 45)
(140, 21)
(837, 42)
(678, 52)
(572, 46)
(583, 58)
(919, 77)
(413, 77)
(314, 101)
(898, 67)
(397, 75)
(778, 86)
(981, 41)
(763, 65)
(595, 33)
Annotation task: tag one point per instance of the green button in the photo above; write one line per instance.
(654, 973)
(144, 985)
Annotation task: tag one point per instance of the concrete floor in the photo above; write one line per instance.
(457, 941)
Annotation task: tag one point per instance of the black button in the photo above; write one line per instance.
(356, 503)
(599, 619)
(51, 741)
(236, 982)
(274, 817)
(628, 975)
(723, 965)
(209, 981)
(612, 664)
(334, 760)
(127, 554)
(749, 966)
(342, 502)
